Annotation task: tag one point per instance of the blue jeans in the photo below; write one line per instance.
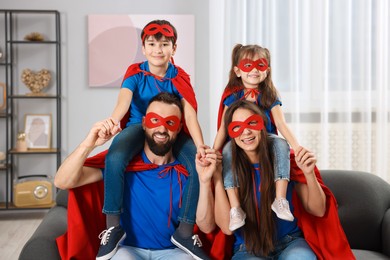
(135, 253)
(291, 247)
(280, 153)
(129, 143)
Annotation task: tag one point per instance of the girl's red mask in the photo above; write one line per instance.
(153, 28)
(248, 65)
(152, 120)
(254, 122)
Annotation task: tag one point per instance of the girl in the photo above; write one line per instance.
(250, 79)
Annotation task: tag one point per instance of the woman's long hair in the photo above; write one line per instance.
(259, 228)
(267, 88)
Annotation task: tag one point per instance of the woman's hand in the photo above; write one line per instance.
(306, 160)
(206, 166)
(201, 150)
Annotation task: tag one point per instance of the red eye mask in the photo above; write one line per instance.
(248, 65)
(152, 120)
(254, 122)
(154, 28)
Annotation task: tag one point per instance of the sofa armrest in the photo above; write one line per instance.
(62, 198)
(42, 244)
(386, 233)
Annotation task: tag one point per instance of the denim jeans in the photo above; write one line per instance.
(280, 153)
(129, 143)
(135, 253)
(123, 148)
(291, 247)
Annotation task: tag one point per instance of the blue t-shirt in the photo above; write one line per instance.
(145, 87)
(283, 227)
(146, 206)
(271, 128)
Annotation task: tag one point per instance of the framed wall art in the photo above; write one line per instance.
(114, 44)
(38, 131)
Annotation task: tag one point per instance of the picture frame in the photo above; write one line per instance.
(3, 96)
(38, 131)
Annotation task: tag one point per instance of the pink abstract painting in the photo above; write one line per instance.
(114, 43)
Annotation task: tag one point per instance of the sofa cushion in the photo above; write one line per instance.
(42, 244)
(366, 254)
(363, 199)
(62, 198)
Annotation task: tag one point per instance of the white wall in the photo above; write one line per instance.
(82, 105)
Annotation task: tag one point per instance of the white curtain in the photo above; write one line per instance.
(330, 62)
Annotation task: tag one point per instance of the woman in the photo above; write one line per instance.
(264, 236)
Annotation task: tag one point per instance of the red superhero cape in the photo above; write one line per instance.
(86, 220)
(325, 235)
(181, 82)
(227, 92)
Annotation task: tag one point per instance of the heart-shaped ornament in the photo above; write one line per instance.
(36, 81)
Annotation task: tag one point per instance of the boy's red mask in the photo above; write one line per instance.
(152, 120)
(153, 28)
(247, 65)
(254, 122)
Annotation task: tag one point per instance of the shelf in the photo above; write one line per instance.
(4, 167)
(32, 42)
(34, 96)
(35, 151)
(18, 52)
(12, 206)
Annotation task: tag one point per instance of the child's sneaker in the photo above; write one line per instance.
(110, 239)
(237, 218)
(282, 209)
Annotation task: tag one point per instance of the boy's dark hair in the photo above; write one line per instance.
(159, 35)
(168, 98)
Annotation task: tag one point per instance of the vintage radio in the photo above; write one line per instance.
(33, 191)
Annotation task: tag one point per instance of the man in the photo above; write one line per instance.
(152, 196)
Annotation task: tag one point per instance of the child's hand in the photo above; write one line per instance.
(201, 151)
(214, 164)
(111, 128)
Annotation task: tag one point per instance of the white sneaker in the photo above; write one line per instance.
(237, 218)
(282, 209)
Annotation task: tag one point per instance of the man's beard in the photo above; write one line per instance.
(159, 149)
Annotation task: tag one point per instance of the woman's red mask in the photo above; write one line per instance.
(152, 120)
(164, 29)
(254, 122)
(248, 65)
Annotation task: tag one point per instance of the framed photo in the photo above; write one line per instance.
(3, 96)
(38, 131)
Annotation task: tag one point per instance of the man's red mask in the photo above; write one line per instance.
(152, 120)
(248, 65)
(254, 122)
(153, 28)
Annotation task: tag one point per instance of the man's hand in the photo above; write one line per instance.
(111, 127)
(305, 160)
(100, 133)
(208, 165)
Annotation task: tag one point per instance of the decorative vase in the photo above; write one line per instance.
(21, 145)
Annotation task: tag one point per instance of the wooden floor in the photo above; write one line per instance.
(16, 227)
